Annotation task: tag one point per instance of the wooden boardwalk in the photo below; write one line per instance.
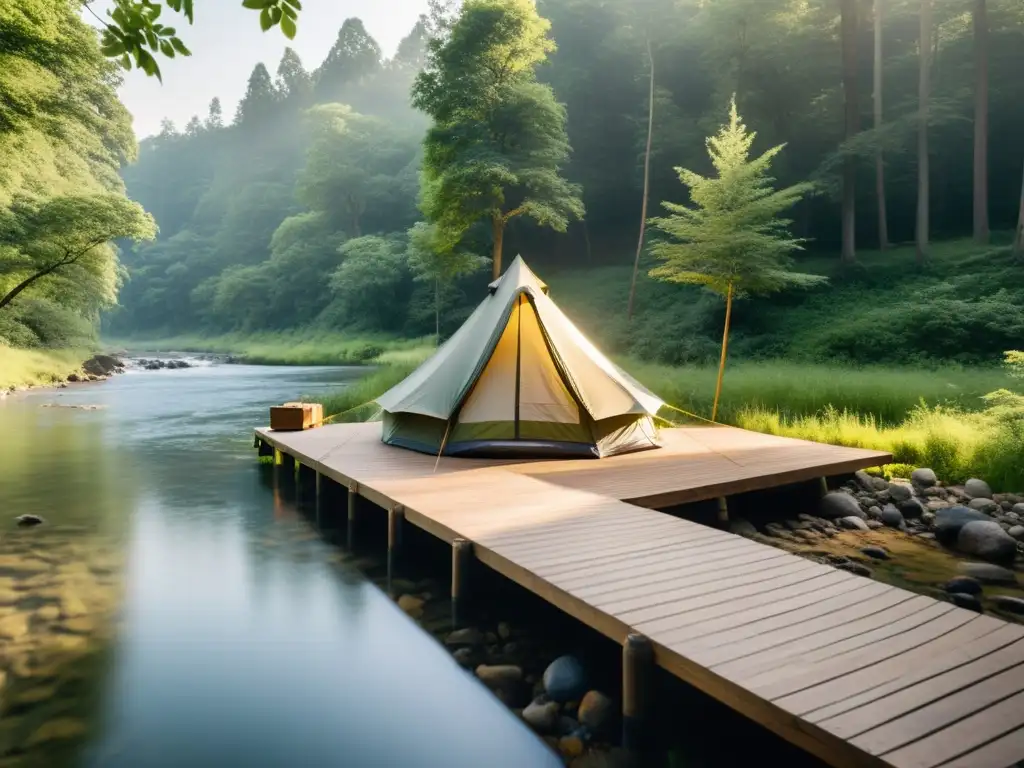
(855, 671)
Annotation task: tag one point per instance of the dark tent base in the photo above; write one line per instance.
(505, 449)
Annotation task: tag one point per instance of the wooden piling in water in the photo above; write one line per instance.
(396, 519)
(723, 512)
(823, 485)
(462, 553)
(353, 501)
(637, 678)
(319, 502)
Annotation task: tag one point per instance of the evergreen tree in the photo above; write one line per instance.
(498, 139)
(259, 100)
(294, 84)
(215, 118)
(354, 57)
(193, 127)
(732, 240)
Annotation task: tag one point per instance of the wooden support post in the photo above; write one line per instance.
(824, 485)
(723, 512)
(353, 501)
(637, 679)
(396, 517)
(304, 482)
(462, 555)
(264, 448)
(319, 502)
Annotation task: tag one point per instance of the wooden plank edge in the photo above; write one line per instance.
(756, 483)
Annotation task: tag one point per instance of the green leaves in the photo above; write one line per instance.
(133, 35)
(733, 236)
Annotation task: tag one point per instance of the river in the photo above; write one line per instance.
(173, 613)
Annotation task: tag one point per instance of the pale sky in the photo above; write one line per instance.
(226, 43)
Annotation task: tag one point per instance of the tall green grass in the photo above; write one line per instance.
(288, 347)
(34, 367)
(355, 402)
(886, 394)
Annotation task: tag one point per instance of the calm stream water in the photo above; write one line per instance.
(173, 614)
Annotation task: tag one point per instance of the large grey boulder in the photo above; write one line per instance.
(854, 523)
(836, 505)
(923, 477)
(864, 480)
(987, 540)
(948, 522)
(977, 489)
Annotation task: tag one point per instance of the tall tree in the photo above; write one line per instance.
(883, 219)
(214, 116)
(259, 100)
(923, 95)
(431, 261)
(65, 241)
(647, 180)
(354, 57)
(980, 24)
(848, 35)
(294, 84)
(732, 241)
(498, 140)
(352, 165)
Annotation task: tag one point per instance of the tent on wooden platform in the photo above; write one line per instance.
(518, 379)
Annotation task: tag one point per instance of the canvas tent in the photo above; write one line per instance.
(518, 379)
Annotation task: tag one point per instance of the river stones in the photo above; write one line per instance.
(14, 626)
(987, 540)
(28, 521)
(542, 714)
(987, 573)
(977, 489)
(948, 522)
(900, 492)
(412, 605)
(875, 552)
(499, 675)
(963, 600)
(964, 585)
(596, 711)
(565, 679)
(465, 636)
(983, 505)
(923, 477)
(892, 517)
(1009, 604)
(837, 505)
(854, 523)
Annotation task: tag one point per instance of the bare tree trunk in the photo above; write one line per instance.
(498, 235)
(923, 189)
(647, 180)
(848, 33)
(1018, 240)
(981, 229)
(725, 350)
(586, 242)
(883, 221)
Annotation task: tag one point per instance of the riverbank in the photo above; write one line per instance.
(28, 368)
(300, 347)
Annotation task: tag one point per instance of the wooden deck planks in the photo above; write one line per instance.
(854, 670)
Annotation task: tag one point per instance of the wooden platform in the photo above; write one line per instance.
(857, 672)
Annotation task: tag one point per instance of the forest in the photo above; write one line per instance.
(339, 196)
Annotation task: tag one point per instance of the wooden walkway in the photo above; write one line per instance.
(855, 671)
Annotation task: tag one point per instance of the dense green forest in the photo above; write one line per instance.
(367, 193)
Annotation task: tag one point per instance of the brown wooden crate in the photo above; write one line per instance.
(296, 416)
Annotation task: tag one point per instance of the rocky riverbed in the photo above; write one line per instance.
(960, 543)
(59, 592)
